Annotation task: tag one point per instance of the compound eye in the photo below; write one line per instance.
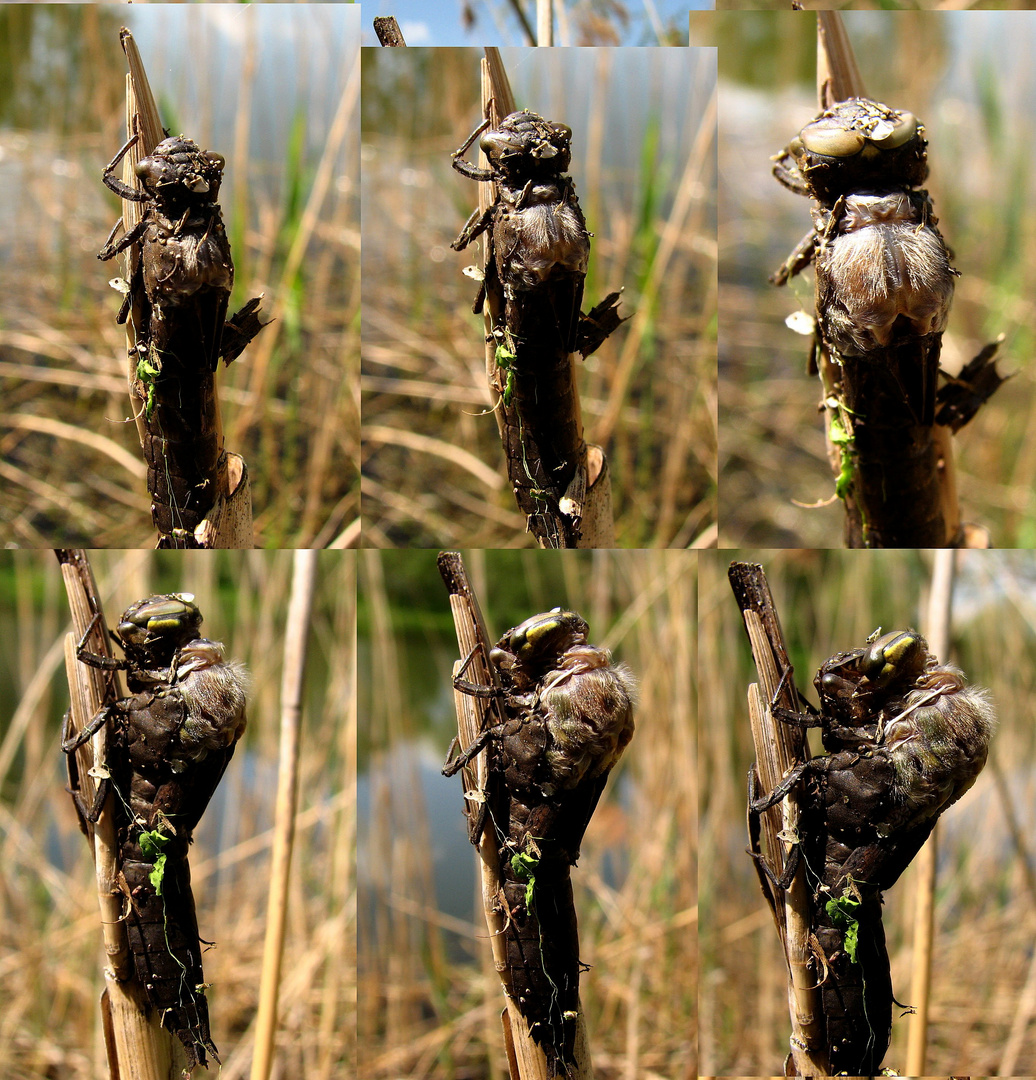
(900, 135)
(537, 637)
(564, 131)
(501, 659)
(494, 144)
(835, 686)
(829, 139)
(216, 159)
(894, 654)
(546, 635)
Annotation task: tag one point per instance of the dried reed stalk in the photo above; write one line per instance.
(778, 747)
(296, 633)
(938, 635)
(137, 1045)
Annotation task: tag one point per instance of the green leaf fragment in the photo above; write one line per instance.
(843, 440)
(151, 844)
(146, 372)
(157, 875)
(524, 867)
(504, 358)
(843, 912)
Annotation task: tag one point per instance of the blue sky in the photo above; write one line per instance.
(440, 23)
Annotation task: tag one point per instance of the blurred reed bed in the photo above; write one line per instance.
(72, 468)
(50, 945)
(643, 167)
(882, 5)
(429, 1000)
(965, 77)
(500, 22)
(985, 913)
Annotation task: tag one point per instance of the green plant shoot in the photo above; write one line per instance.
(843, 440)
(524, 867)
(504, 358)
(843, 913)
(151, 844)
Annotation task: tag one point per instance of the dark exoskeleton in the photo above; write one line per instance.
(568, 716)
(884, 285)
(169, 743)
(905, 738)
(536, 264)
(883, 277)
(178, 294)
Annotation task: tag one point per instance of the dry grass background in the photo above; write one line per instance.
(643, 146)
(50, 946)
(882, 5)
(72, 472)
(968, 76)
(985, 914)
(429, 999)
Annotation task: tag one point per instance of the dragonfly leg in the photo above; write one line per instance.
(111, 180)
(473, 227)
(464, 167)
(453, 765)
(105, 663)
(112, 247)
(756, 805)
(69, 743)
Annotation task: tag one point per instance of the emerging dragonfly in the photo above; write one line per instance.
(169, 744)
(884, 285)
(539, 248)
(568, 717)
(178, 293)
(905, 736)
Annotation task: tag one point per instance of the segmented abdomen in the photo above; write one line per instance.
(857, 996)
(541, 254)
(163, 939)
(188, 276)
(182, 447)
(541, 932)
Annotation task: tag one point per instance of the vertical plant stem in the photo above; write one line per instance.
(937, 631)
(136, 1044)
(778, 747)
(544, 22)
(388, 32)
(295, 653)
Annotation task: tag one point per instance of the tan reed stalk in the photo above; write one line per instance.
(940, 604)
(135, 1042)
(778, 747)
(296, 632)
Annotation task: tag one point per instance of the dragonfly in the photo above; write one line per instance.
(169, 744)
(906, 736)
(884, 285)
(568, 717)
(179, 293)
(539, 249)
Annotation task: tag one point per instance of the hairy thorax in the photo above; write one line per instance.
(888, 268)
